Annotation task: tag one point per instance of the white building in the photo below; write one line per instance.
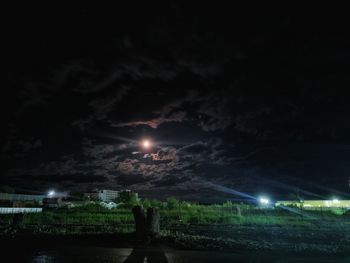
(108, 195)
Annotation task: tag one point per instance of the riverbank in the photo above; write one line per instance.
(228, 227)
(321, 239)
(274, 239)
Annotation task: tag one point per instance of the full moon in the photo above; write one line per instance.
(146, 144)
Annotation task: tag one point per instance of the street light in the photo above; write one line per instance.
(51, 193)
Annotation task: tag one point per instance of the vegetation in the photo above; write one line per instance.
(173, 213)
(127, 198)
(196, 226)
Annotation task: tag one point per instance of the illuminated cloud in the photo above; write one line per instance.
(225, 104)
(154, 123)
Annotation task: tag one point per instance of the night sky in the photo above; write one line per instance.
(258, 103)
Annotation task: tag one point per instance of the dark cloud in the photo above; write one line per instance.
(214, 112)
(68, 178)
(19, 148)
(154, 123)
(119, 163)
(227, 99)
(128, 180)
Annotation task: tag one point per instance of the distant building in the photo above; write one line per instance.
(21, 197)
(20, 210)
(20, 203)
(20, 200)
(108, 195)
(316, 204)
(102, 195)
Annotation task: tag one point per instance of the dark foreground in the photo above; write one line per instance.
(84, 253)
(124, 248)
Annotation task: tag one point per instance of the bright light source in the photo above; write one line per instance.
(146, 144)
(264, 201)
(51, 193)
(335, 200)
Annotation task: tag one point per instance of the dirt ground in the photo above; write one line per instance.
(323, 238)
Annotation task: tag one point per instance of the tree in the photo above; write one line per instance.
(146, 203)
(128, 198)
(172, 203)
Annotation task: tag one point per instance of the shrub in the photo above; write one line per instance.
(172, 203)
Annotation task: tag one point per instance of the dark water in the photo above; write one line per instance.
(84, 254)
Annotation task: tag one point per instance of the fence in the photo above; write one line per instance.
(18, 210)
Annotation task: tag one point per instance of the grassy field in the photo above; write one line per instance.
(186, 225)
(174, 213)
